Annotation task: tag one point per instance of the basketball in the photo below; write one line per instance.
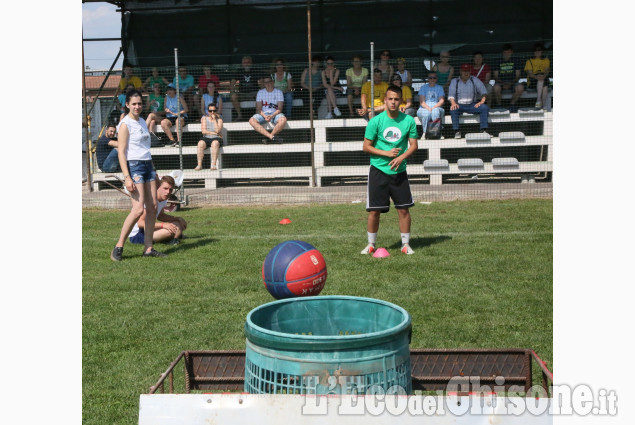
(294, 269)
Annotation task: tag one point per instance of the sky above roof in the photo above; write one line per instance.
(100, 20)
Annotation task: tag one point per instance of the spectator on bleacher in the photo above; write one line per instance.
(211, 97)
(202, 87)
(135, 160)
(211, 127)
(467, 94)
(406, 96)
(370, 109)
(445, 71)
(155, 108)
(269, 104)
(537, 69)
(172, 108)
(384, 66)
(315, 85)
(128, 78)
(121, 99)
(245, 85)
(332, 86)
(186, 87)
(107, 155)
(356, 76)
(155, 78)
(406, 76)
(506, 75)
(283, 81)
(170, 229)
(431, 100)
(481, 70)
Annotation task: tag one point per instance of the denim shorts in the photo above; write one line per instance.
(141, 171)
(261, 120)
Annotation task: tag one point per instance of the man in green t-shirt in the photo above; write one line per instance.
(390, 138)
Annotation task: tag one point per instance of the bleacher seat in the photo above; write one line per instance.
(470, 163)
(478, 137)
(505, 162)
(511, 137)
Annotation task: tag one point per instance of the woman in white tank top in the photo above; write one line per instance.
(133, 148)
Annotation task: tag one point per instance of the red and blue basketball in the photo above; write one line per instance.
(294, 269)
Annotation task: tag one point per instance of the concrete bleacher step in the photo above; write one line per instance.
(345, 135)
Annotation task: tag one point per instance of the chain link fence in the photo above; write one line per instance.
(317, 156)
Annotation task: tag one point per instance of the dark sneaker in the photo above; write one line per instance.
(117, 254)
(276, 139)
(154, 253)
(174, 242)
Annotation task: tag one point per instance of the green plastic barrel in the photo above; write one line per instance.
(328, 345)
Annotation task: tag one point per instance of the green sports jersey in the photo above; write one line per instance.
(387, 133)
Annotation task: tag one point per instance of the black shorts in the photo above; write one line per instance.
(209, 139)
(173, 119)
(382, 187)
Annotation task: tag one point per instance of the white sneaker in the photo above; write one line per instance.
(370, 248)
(406, 249)
(328, 116)
(337, 112)
(538, 105)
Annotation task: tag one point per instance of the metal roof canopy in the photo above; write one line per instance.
(221, 32)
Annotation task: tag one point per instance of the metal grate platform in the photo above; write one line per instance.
(432, 369)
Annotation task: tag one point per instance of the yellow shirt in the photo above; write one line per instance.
(380, 93)
(537, 66)
(134, 80)
(406, 94)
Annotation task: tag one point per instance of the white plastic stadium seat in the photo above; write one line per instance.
(436, 163)
(505, 162)
(478, 137)
(470, 163)
(511, 137)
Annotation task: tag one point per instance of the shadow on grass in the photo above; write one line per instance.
(423, 242)
(190, 242)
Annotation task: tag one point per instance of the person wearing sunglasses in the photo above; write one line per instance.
(406, 96)
(211, 97)
(168, 228)
(211, 127)
(331, 83)
(386, 68)
(431, 100)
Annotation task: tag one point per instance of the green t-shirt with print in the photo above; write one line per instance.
(387, 133)
(156, 102)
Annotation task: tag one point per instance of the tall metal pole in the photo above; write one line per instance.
(372, 79)
(86, 117)
(311, 130)
(179, 130)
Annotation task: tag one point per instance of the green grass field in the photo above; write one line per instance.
(481, 277)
